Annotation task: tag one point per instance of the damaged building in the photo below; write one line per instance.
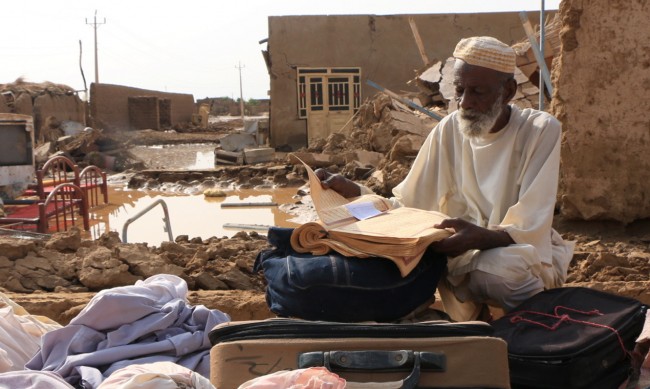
(47, 103)
(605, 170)
(117, 107)
(111, 107)
(319, 65)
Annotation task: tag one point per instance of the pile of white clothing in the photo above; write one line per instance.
(20, 334)
(148, 322)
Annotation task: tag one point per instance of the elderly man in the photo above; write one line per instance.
(493, 168)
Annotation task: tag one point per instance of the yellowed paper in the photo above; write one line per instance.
(401, 234)
(330, 205)
(326, 199)
(398, 223)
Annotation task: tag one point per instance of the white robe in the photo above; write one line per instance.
(505, 181)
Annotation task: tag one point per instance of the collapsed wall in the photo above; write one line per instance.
(45, 102)
(602, 89)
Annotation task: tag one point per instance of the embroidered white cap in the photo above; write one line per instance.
(487, 52)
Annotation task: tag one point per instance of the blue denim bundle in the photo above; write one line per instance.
(333, 287)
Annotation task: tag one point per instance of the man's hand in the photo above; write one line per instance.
(338, 183)
(468, 236)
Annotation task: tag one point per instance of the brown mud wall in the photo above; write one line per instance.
(602, 90)
(109, 107)
(62, 107)
(382, 46)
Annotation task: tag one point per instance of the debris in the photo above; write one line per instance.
(316, 160)
(214, 192)
(404, 100)
(237, 142)
(258, 155)
(526, 57)
(418, 41)
(228, 157)
(257, 204)
(261, 227)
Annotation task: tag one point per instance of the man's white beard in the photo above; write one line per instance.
(475, 124)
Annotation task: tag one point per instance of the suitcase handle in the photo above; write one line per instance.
(377, 360)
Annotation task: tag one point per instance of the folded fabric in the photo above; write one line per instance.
(32, 380)
(310, 378)
(150, 321)
(20, 334)
(157, 375)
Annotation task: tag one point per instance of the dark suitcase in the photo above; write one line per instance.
(571, 338)
(425, 355)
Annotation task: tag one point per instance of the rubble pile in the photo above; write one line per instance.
(57, 277)
(598, 261)
(87, 147)
(265, 175)
(34, 89)
(526, 61)
(225, 127)
(379, 148)
(396, 132)
(66, 263)
(110, 150)
(436, 90)
(610, 257)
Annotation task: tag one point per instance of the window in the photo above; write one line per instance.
(328, 89)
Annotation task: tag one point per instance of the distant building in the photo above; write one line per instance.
(42, 101)
(117, 107)
(224, 106)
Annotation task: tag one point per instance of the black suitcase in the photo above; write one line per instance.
(423, 355)
(571, 338)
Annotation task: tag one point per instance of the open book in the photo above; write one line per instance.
(367, 226)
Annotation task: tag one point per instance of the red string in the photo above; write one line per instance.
(516, 318)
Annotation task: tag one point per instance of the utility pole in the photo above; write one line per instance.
(95, 25)
(241, 93)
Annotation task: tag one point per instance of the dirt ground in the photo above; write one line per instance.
(56, 278)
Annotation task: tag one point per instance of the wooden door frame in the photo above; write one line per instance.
(306, 92)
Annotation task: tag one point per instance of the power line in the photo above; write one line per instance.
(95, 25)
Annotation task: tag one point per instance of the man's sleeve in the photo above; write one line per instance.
(530, 219)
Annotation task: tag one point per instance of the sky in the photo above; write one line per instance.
(190, 47)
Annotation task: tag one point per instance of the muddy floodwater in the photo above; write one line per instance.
(181, 156)
(192, 215)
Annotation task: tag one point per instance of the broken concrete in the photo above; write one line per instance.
(237, 141)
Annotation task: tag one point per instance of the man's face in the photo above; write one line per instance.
(480, 97)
